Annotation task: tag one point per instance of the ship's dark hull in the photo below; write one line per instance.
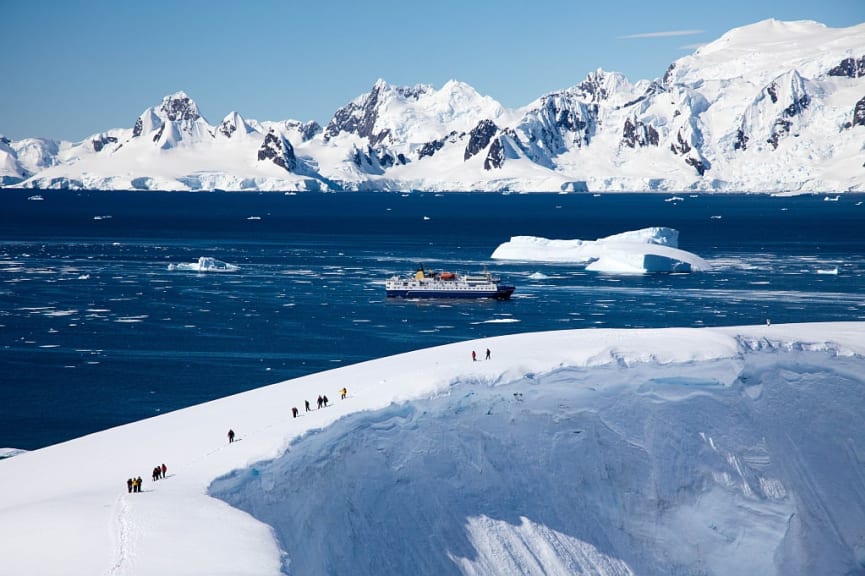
(501, 293)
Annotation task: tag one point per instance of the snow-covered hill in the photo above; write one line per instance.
(708, 451)
(771, 107)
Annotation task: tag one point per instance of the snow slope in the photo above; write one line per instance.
(732, 450)
(770, 107)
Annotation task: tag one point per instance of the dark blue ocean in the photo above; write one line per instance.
(97, 331)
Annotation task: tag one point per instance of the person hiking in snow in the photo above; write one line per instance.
(138, 482)
(474, 356)
(343, 393)
(324, 400)
(155, 474)
(230, 436)
(319, 401)
(293, 412)
(164, 469)
(306, 403)
(488, 353)
(129, 483)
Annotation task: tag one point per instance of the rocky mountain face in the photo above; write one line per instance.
(770, 107)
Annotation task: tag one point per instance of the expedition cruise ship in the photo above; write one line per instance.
(423, 284)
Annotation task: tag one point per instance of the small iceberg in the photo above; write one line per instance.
(36, 197)
(204, 264)
(674, 199)
(831, 198)
(828, 271)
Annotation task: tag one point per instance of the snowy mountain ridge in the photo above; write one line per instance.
(770, 107)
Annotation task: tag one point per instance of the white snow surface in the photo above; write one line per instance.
(735, 450)
(641, 251)
(757, 110)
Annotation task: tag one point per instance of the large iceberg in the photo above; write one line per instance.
(635, 252)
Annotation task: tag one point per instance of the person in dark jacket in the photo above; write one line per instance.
(129, 483)
(293, 412)
(230, 436)
(306, 403)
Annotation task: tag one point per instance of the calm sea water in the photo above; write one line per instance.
(97, 331)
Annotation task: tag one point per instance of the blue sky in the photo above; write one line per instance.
(73, 68)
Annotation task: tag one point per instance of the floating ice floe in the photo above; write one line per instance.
(204, 264)
(828, 271)
(635, 252)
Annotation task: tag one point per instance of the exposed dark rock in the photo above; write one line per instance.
(699, 165)
(139, 126)
(636, 133)
(278, 150)
(859, 113)
(158, 134)
(227, 128)
(782, 125)
(681, 145)
(178, 108)
(772, 90)
(653, 89)
(307, 130)
(430, 148)
(5, 140)
(593, 87)
(480, 137)
(797, 106)
(741, 142)
(102, 141)
(667, 80)
(496, 156)
(849, 67)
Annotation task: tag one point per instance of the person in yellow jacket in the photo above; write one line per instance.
(343, 393)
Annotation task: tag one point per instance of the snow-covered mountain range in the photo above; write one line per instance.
(771, 107)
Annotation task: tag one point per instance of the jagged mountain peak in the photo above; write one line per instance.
(179, 107)
(232, 124)
(420, 113)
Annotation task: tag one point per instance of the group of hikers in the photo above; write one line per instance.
(475, 355)
(134, 484)
(321, 402)
(159, 472)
